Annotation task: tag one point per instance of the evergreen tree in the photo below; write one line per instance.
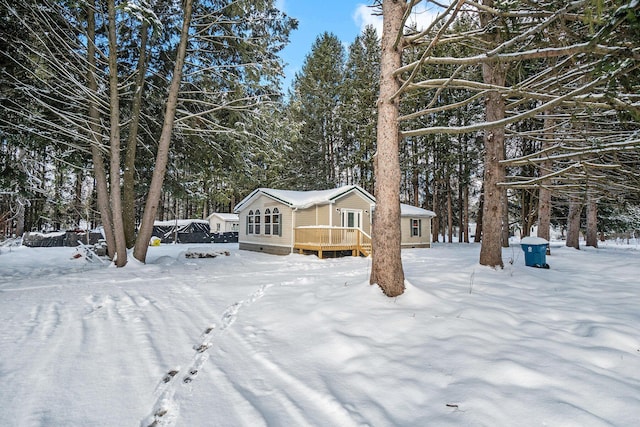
(358, 109)
(315, 104)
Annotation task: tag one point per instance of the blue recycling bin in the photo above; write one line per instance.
(535, 252)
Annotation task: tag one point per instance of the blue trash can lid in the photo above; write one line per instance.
(530, 240)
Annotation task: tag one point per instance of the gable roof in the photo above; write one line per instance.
(414, 211)
(303, 199)
(225, 216)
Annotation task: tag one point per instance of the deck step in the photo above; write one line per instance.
(366, 249)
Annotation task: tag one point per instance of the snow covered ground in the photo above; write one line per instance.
(252, 339)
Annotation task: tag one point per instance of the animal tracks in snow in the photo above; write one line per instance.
(166, 408)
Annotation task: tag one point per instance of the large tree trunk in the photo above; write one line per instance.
(386, 268)
(592, 222)
(573, 224)
(114, 141)
(491, 250)
(102, 188)
(493, 73)
(128, 176)
(162, 157)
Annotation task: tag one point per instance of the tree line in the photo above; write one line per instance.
(507, 114)
(561, 75)
(105, 102)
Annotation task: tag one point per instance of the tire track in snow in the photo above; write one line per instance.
(166, 409)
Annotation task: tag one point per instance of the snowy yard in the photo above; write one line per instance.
(252, 339)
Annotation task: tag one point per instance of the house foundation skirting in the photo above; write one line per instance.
(269, 249)
(415, 245)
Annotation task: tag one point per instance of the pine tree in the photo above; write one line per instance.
(315, 104)
(358, 109)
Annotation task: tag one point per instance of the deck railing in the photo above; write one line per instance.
(318, 238)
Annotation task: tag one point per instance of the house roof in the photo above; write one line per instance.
(414, 211)
(303, 199)
(225, 216)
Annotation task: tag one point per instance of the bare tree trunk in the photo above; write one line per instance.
(415, 177)
(505, 219)
(465, 214)
(114, 141)
(478, 236)
(162, 157)
(544, 195)
(491, 250)
(493, 73)
(128, 177)
(386, 268)
(435, 232)
(544, 213)
(449, 214)
(78, 197)
(573, 224)
(102, 188)
(20, 208)
(592, 222)
(461, 211)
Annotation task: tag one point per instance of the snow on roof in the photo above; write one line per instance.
(225, 216)
(180, 222)
(303, 199)
(408, 210)
(531, 240)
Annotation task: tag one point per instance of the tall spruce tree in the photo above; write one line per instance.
(358, 109)
(315, 104)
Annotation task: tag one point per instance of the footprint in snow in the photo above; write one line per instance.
(230, 314)
(189, 378)
(172, 373)
(202, 347)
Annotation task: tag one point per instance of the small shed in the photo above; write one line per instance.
(223, 222)
(415, 226)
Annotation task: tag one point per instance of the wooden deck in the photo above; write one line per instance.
(327, 239)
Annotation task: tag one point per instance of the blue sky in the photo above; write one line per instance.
(344, 18)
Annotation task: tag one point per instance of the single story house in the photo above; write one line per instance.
(223, 222)
(339, 219)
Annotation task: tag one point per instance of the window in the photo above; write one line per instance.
(218, 227)
(416, 227)
(257, 222)
(275, 222)
(267, 221)
(250, 219)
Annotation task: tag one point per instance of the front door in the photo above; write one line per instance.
(351, 218)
